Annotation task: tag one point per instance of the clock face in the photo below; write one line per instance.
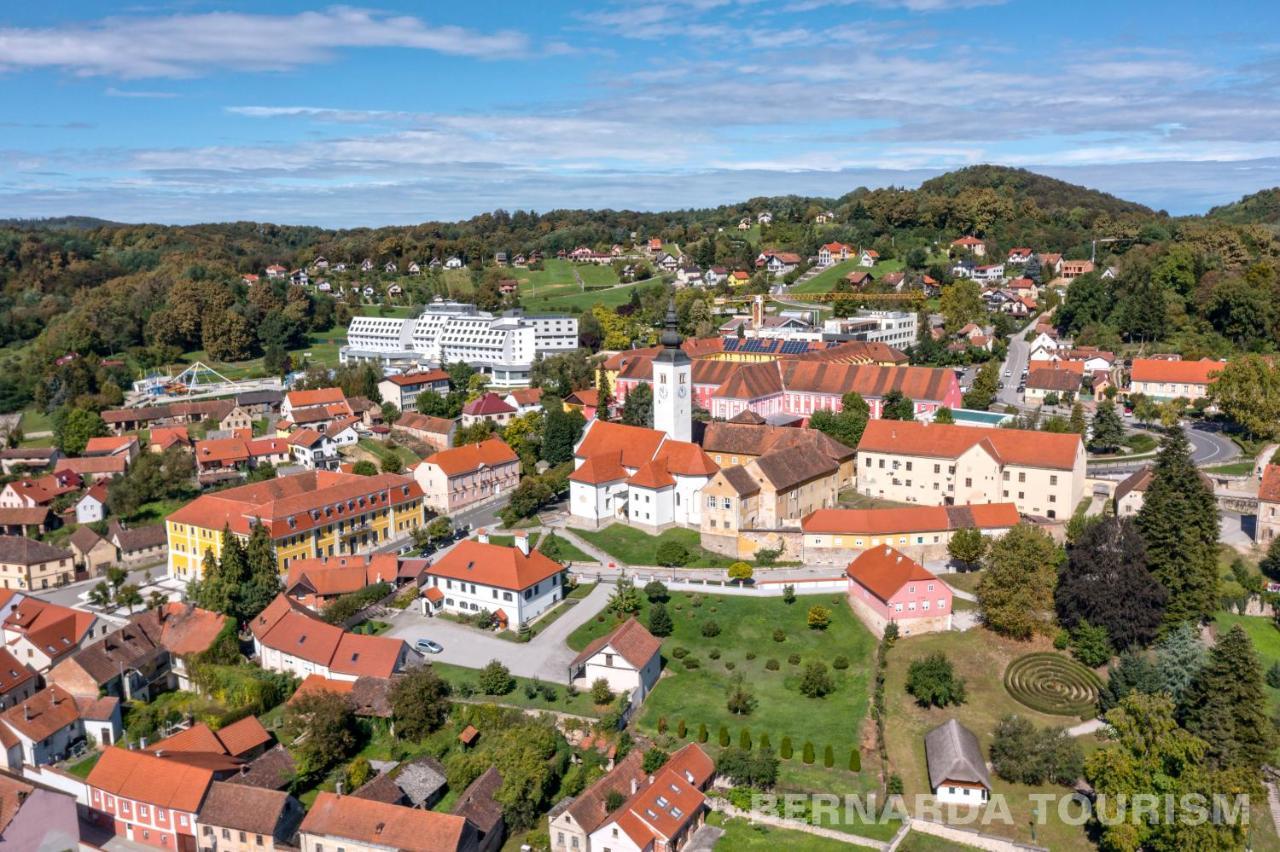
(681, 391)
(662, 393)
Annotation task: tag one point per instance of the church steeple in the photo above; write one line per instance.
(672, 383)
(671, 335)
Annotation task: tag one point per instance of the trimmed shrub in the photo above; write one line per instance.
(715, 654)
(690, 663)
(809, 756)
(679, 652)
(855, 760)
(730, 665)
(724, 737)
(794, 659)
(785, 751)
(779, 635)
(682, 730)
(828, 757)
(662, 724)
(710, 629)
(744, 739)
(840, 663)
(764, 741)
(751, 655)
(702, 732)
(772, 664)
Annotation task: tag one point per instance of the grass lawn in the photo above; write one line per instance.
(510, 540)
(380, 451)
(851, 499)
(576, 301)
(980, 657)
(580, 704)
(966, 582)
(630, 546)
(825, 281)
(570, 601)
(156, 511)
(566, 551)
(402, 311)
(81, 769)
(742, 835)
(1240, 468)
(918, 842)
(746, 627)
(35, 420)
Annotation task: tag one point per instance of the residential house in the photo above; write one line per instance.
(922, 532)
(628, 658)
(40, 634)
(435, 432)
(402, 391)
(113, 445)
(18, 681)
(122, 420)
(242, 818)
(42, 729)
(25, 459)
(735, 443)
(868, 257)
(766, 496)
(36, 816)
(524, 400)
(1160, 378)
(1051, 263)
(147, 799)
(937, 464)
(824, 217)
(27, 521)
(515, 584)
(1072, 269)
(970, 244)
(162, 438)
(287, 637)
(957, 769)
(453, 479)
(275, 270)
(778, 262)
(764, 217)
(92, 552)
(313, 450)
(92, 505)
(296, 401)
(453, 263)
(237, 419)
(888, 587)
(479, 806)
(1019, 255)
(988, 272)
(26, 563)
(416, 783)
(316, 582)
(137, 545)
(259, 403)
(42, 492)
(1063, 384)
(362, 825)
(585, 401)
(1268, 518)
(94, 468)
(832, 253)
(489, 407)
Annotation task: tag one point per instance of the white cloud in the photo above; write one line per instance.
(193, 44)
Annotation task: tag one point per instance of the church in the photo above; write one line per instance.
(651, 479)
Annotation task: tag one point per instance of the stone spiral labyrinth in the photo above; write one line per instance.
(1053, 684)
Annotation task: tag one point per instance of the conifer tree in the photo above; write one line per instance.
(263, 581)
(604, 397)
(1225, 705)
(1179, 523)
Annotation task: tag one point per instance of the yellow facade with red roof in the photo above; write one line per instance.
(312, 514)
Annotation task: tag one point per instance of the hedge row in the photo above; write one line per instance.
(786, 750)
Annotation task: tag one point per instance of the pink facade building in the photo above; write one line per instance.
(886, 586)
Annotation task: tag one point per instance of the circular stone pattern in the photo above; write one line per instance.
(1053, 684)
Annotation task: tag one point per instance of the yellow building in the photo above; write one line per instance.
(312, 514)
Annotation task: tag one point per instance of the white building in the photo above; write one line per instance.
(287, 637)
(893, 328)
(957, 770)
(42, 729)
(515, 584)
(627, 658)
(503, 347)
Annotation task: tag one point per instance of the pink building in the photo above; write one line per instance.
(454, 479)
(886, 586)
(147, 799)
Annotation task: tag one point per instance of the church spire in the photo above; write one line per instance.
(671, 336)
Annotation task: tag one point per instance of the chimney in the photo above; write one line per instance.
(142, 742)
(522, 542)
(26, 712)
(634, 786)
(339, 787)
(482, 535)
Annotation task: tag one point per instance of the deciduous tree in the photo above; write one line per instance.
(1015, 594)
(1105, 581)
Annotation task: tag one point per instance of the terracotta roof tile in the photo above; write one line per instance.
(636, 443)
(459, 461)
(494, 565)
(146, 778)
(1180, 372)
(884, 570)
(635, 644)
(910, 519)
(244, 808)
(1023, 447)
(488, 404)
(600, 468)
(390, 826)
(319, 396)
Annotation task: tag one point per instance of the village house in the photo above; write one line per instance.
(360, 825)
(147, 799)
(835, 536)
(524, 400)
(237, 419)
(734, 443)
(162, 438)
(515, 584)
(287, 637)
(1162, 379)
(585, 401)
(888, 587)
(316, 582)
(36, 815)
(436, 432)
(27, 459)
(243, 818)
(970, 244)
(18, 681)
(778, 262)
(39, 633)
(92, 505)
(94, 468)
(29, 564)
(296, 401)
(122, 420)
(936, 464)
(41, 492)
(1019, 255)
(137, 545)
(627, 658)
(402, 391)
(1063, 384)
(1268, 518)
(1073, 269)
(43, 728)
(453, 479)
(957, 770)
(832, 253)
(868, 257)
(113, 445)
(489, 407)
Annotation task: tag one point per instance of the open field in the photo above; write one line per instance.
(580, 704)
(825, 281)
(631, 546)
(742, 835)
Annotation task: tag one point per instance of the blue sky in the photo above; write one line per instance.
(402, 112)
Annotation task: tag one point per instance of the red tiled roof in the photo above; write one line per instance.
(457, 461)
(599, 469)
(108, 444)
(1049, 379)
(489, 403)
(166, 436)
(1269, 490)
(636, 443)
(93, 464)
(527, 396)
(319, 396)
(1180, 372)
(420, 378)
(424, 423)
(883, 571)
(372, 823)
(632, 642)
(909, 519)
(144, 777)
(43, 714)
(652, 475)
(493, 565)
(1024, 447)
(12, 673)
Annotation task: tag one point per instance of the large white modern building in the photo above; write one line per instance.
(503, 347)
(894, 328)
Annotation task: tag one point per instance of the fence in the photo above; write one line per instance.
(675, 582)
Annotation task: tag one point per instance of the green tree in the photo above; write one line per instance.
(656, 591)
(818, 617)
(562, 429)
(637, 408)
(944, 416)
(1090, 644)
(1247, 390)
(654, 759)
(740, 572)
(738, 699)
(604, 394)
(1023, 754)
(496, 679)
(1179, 657)
(816, 681)
(660, 620)
(1179, 523)
(1076, 422)
(321, 727)
(1269, 565)
(847, 424)
(985, 386)
(1105, 582)
(1107, 432)
(100, 594)
(961, 303)
(1225, 705)
(262, 584)
(1015, 594)
(128, 596)
(73, 427)
(364, 467)
(419, 703)
(530, 759)
(967, 546)
(601, 694)
(672, 554)
(1132, 673)
(932, 681)
(625, 600)
(895, 406)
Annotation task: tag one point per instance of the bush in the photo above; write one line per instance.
(808, 753)
(656, 592)
(600, 691)
(785, 751)
(1053, 684)
(710, 629)
(466, 689)
(1026, 755)
(744, 739)
(702, 732)
(840, 663)
(932, 681)
(714, 654)
(757, 770)
(855, 760)
(1090, 645)
(724, 737)
(772, 664)
(819, 617)
(793, 659)
(779, 635)
(653, 760)
(751, 655)
(679, 652)
(682, 730)
(496, 679)
(347, 606)
(788, 594)
(894, 785)
(1273, 674)
(690, 663)
(764, 740)
(662, 724)
(1062, 640)
(672, 554)
(730, 665)
(816, 682)
(828, 757)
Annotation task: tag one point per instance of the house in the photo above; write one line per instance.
(770, 493)
(162, 438)
(39, 634)
(515, 584)
(832, 253)
(36, 816)
(242, 818)
(957, 769)
(937, 464)
(584, 401)
(402, 391)
(1064, 384)
(1268, 521)
(18, 681)
(92, 505)
(275, 270)
(27, 521)
(478, 806)
(29, 564)
(987, 272)
(416, 783)
(453, 263)
(137, 545)
(20, 459)
(362, 825)
(1164, 379)
(888, 587)
(868, 257)
(33, 493)
(315, 513)
(489, 407)
(42, 729)
(970, 244)
(824, 217)
(121, 420)
(315, 582)
(658, 810)
(1019, 255)
(923, 532)
(627, 658)
(94, 468)
(237, 419)
(113, 445)
(764, 217)
(92, 552)
(778, 262)
(454, 479)
(435, 432)
(313, 450)
(147, 799)
(733, 443)
(1051, 262)
(524, 400)
(295, 401)
(1072, 269)
(342, 431)
(287, 637)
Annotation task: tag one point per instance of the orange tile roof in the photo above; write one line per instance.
(320, 396)
(425, 423)
(527, 396)
(166, 436)
(240, 738)
(379, 824)
(636, 443)
(1076, 367)
(43, 714)
(494, 565)
(588, 397)
(909, 519)
(420, 378)
(599, 469)
(468, 458)
(366, 656)
(883, 571)
(294, 630)
(320, 683)
(635, 644)
(1269, 490)
(303, 497)
(197, 738)
(108, 444)
(1180, 372)
(683, 458)
(12, 673)
(93, 464)
(221, 451)
(372, 567)
(144, 777)
(1050, 379)
(1028, 448)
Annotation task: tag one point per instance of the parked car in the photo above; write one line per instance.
(428, 647)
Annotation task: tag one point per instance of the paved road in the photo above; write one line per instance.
(546, 656)
(1209, 446)
(72, 595)
(1015, 361)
